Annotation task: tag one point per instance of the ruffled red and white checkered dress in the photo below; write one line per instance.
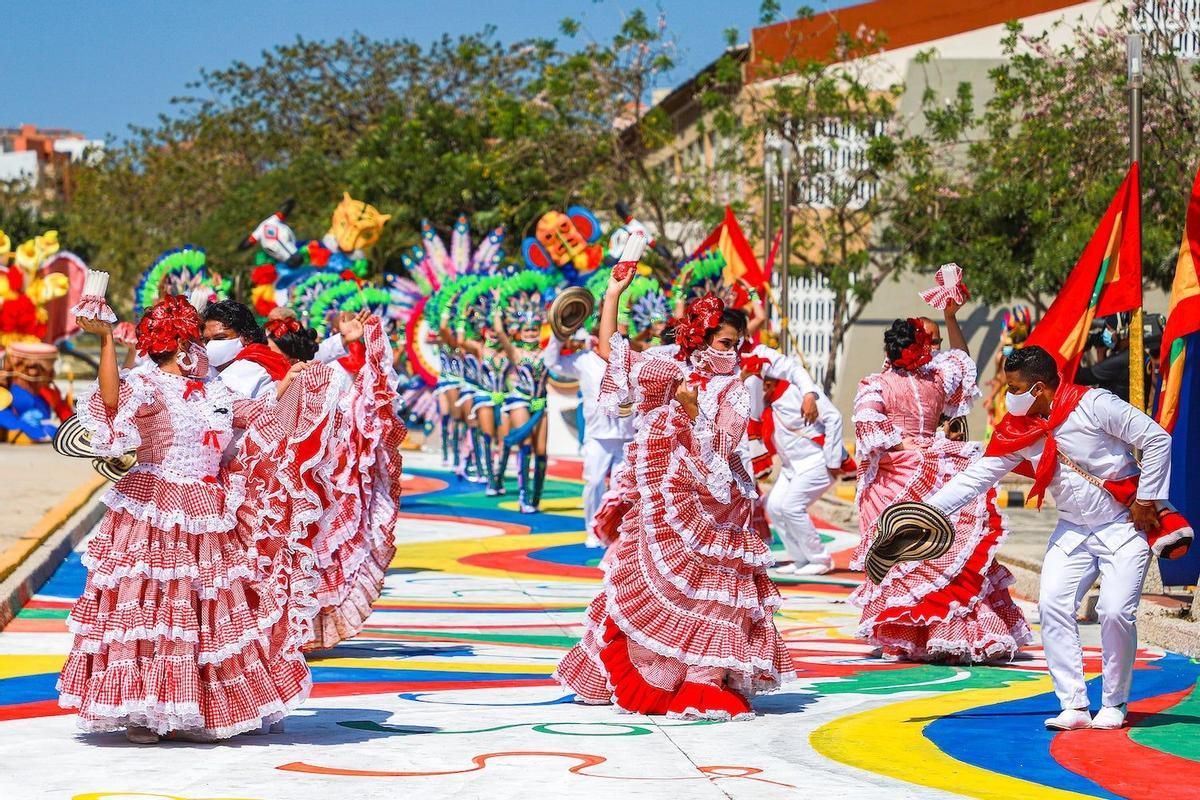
(325, 467)
(955, 607)
(175, 630)
(683, 624)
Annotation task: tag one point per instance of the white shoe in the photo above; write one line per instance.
(786, 569)
(1071, 719)
(814, 569)
(1110, 718)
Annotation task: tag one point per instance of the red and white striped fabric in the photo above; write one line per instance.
(683, 624)
(955, 607)
(173, 631)
(949, 287)
(326, 468)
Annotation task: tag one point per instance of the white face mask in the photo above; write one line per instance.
(222, 351)
(1019, 404)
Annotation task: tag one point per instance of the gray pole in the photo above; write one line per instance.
(768, 232)
(785, 246)
(1137, 379)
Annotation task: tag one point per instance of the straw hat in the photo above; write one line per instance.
(908, 531)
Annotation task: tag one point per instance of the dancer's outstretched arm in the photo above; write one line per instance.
(957, 340)
(609, 309)
(109, 376)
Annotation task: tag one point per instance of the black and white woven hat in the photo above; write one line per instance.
(73, 440)
(908, 531)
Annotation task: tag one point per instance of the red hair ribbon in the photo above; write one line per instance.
(282, 326)
(920, 352)
(170, 323)
(702, 315)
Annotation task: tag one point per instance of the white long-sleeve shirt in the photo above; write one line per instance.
(331, 349)
(786, 368)
(1098, 436)
(795, 438)
(588, 368)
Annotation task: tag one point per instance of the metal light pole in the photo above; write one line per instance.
(768, 232)
(785, 246)
(1137, 360)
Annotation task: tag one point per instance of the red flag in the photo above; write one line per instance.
(1107, 279)
(1183, 317)
(740, 264)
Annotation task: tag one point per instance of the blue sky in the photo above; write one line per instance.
(99, 65)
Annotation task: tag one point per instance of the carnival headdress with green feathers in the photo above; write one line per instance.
(179, 271)
(701, 276)
(523, 297)
(645, 304)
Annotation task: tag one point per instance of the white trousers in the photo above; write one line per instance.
(600, 458)
(1066, 578)
(797, 488)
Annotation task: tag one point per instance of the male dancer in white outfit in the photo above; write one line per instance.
(1071, 429)
(604, 437)
(810, 453)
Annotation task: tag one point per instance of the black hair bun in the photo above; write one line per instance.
(902, 334)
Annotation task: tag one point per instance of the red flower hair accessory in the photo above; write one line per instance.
(702, 315)
(169, 324)
(920, 352)
(277, 328)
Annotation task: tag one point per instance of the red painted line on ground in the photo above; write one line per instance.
(509, 528)
(1122, 766)
(19, 625)
(59, 604)
(348, 688)
(519, 561)
(38, 708)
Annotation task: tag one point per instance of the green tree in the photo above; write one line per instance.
(1035, 166)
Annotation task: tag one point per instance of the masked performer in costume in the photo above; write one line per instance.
(1077, 444)
(682, 625)
(521, 313)
(174, 632)
(955, 607)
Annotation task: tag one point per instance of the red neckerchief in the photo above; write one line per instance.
(355, 358)
(275, 364)
(1015, 433)
(768, 416)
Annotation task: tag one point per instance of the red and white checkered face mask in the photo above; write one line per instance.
(715, 362)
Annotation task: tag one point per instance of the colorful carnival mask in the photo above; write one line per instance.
(567, 241)
(356, 225)
(276, 237)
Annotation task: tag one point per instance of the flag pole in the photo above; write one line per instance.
(1137, 358)
(785, 204)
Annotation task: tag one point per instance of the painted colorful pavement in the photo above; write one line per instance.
(448, 694)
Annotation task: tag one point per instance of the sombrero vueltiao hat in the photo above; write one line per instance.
(73, 440)
(114, 468)
(908, 531)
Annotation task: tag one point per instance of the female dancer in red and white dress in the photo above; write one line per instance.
(333, 451)
(683, 625)
(955, 607)
(174, 631)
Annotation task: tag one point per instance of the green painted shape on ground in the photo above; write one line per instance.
(922, 678)
(1177, 737)
(44, 613)
(492, 638)
(554, 490)
(551, 728)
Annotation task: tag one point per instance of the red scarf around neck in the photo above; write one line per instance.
(768, 416)
(276, 364)
(1014, 433)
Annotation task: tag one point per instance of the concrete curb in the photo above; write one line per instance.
(29, 563)
(1157, 626)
